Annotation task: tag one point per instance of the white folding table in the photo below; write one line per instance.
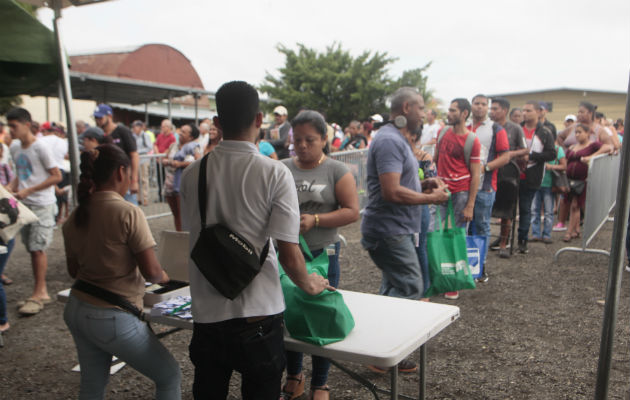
(387, 330)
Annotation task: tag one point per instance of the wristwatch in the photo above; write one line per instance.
(486, 168)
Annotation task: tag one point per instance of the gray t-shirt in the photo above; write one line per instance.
(390, 152)
(32, 165)
(316, 195)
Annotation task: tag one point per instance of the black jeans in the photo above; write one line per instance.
(253, 348)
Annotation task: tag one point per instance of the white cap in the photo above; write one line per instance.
(280, 110)
(376, 118)
(570, 117)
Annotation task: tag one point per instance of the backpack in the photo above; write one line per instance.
(468, 145)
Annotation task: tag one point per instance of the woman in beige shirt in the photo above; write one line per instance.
(109, 245)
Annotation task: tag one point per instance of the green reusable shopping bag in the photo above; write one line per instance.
(448, 257)
(321, 319)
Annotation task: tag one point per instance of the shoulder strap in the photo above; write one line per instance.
(470, 141)
(201, 190)
(442, 133)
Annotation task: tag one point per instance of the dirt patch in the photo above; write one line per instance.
(531, 332)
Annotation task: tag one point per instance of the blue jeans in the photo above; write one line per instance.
(100, 332)
(482, 215)
(397, 259)
(525, 197)
(4, 258)
(459, 200)
(131, 197)
(320, 365)
(421, 250)
(543, 198)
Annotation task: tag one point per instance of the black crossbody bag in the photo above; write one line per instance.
(226, 259)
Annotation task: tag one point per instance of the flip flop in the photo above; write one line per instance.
(31, 307)
(6, 280)
(43, 301)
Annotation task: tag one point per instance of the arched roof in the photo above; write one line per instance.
(158, 63)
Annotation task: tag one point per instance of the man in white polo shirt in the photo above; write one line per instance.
(255, 197)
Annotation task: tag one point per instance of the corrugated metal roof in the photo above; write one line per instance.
(556, 90)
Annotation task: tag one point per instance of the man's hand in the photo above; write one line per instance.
(441, 194)
(468, 213)
(24, 193)
(307, 222)
(430, 183)
(133, 186)
(317, 284)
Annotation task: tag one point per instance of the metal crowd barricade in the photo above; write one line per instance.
(150, 186)
(356, 160)
(601, 194)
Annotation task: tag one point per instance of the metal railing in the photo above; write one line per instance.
(601, 194)
(150, 186)
(356, 160)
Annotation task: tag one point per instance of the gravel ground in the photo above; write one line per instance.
(531, 332)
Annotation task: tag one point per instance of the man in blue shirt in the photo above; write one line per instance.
(392, 217)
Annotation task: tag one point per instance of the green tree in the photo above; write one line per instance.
(334, 82)
(7, 103)
(417, 78)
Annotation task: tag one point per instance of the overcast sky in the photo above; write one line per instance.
(482, 46)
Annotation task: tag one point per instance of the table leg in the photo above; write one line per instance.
(394, 382)
(423, 368)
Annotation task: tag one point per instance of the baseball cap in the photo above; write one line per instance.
(280, 110)
(570, 117)
(137, 123)
(376, 118)
(544, 105)
(45, 126)
(102, 110)
(93, 132)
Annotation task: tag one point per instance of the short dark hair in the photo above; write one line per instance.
(502, 102)
(535, 103)
(237, 106)
(463, 105)
(515, 109)
(19, 114)
(315, 119)
(600, 115)
(194, 131)
(483, 96)
(590, 107)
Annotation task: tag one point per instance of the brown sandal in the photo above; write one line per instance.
(299, 390)
(324, 389)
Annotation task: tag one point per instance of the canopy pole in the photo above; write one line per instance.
(170, 114)
(146, 115)
(615, 265)
(73, 146)
(196, 110)
(47, 110)
(60, 97)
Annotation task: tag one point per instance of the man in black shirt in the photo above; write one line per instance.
(121, 136)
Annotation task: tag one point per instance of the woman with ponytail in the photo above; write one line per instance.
(110, 252)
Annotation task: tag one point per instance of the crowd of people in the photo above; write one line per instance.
(489, 159)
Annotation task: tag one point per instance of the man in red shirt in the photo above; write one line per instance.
(494, 155)
(461, 177)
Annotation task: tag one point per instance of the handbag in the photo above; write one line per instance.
(560, 181)
(13, 215)
(226, 259)
(321, 319)
(476, 248)
(576, 186)
(448, 257)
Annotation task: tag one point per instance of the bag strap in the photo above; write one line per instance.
(305, 248)
(202, 198)
(438, 214)
(451, 213)
(468, 145)
(109, 297)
